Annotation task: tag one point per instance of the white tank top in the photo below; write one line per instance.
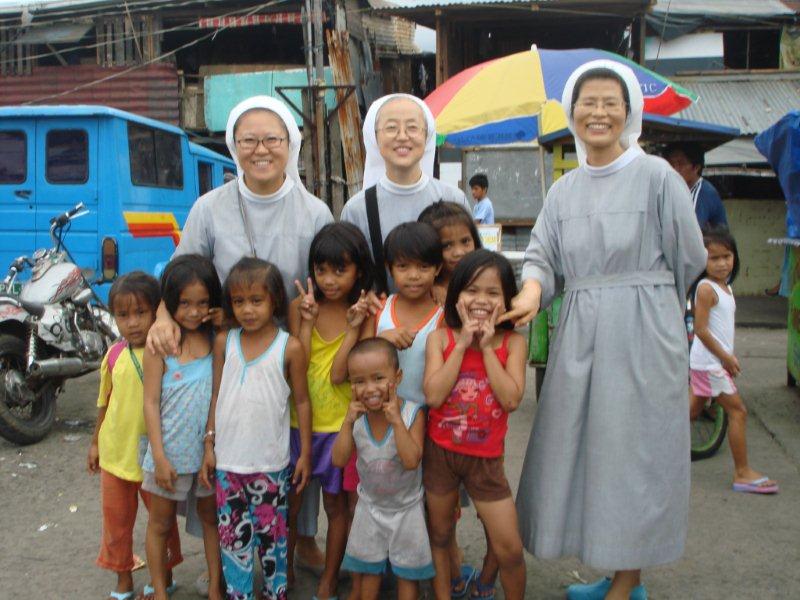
(252, 415)
(412, 359)
(720, 324)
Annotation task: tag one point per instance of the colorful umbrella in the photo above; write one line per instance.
(502, 100)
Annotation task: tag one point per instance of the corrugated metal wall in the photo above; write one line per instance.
(151, 91)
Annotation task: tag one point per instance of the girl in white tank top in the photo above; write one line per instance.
(712, 362)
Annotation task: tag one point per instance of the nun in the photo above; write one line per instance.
(606, 472)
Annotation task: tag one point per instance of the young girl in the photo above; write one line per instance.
(257, 368)
(459, 237)
(177, 393)
(713, 364)
(474, 377)
(388, 433)
(114, 451)
(329, 318)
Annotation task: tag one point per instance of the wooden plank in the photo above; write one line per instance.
(338, 183)
(348, 115)
(442, 35)
(307, 148)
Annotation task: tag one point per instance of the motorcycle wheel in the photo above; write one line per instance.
(708, 431)
(23, 424)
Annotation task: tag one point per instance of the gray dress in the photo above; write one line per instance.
(606, 473)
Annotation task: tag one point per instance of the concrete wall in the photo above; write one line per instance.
(752, 222)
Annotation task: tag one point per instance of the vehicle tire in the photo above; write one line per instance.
(35, 420)
(708, 431)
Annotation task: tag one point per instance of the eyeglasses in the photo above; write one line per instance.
(610, 106)
(393, 130)
(251, 143)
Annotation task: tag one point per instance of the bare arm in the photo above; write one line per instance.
(409, 441)
(93, 460)
(344, 444)
(359, 325)
(153, 367)
(303, 312)
(209, 458)
(705, 300)
(508, 384)
(297, 365)
(165, 334)
(440, 375)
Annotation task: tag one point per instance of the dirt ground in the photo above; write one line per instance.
(739, 546)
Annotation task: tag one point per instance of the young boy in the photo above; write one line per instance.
(483, 212)
(388, 434)
(414, 258)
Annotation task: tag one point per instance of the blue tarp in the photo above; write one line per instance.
(780, 145)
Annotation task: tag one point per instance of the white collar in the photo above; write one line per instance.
(248, 194)
(404, 190)
(619, 163)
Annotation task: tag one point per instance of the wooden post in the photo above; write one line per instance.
(442, 43)
(319, 103)
(308, 148)
(337, 181)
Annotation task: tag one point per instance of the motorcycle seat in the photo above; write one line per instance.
(34, 308)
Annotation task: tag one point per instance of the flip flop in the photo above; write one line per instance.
(482, 591)
(468, 575)
(122, 595)
(756, 487)
(149, 590)
(599, 589)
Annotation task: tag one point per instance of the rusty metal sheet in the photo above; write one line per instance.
(150, 91)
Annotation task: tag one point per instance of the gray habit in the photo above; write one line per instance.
(606, 473)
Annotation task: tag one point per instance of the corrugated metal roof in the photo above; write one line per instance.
(391, 36)
(150, 91)
(749, 101)
(723, 8)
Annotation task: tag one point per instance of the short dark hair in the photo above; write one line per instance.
(479, 179)
(376, 344)
(445, 214)
(593, 75)
(721, 235)
(693, 152)
(139, 284)
(338, 244)
(248, 271)
(413, 241)
(468, 268)
(185, 270)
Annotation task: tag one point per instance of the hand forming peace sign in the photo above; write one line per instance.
(308, 307)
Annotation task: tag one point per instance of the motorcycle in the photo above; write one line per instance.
(53, 327)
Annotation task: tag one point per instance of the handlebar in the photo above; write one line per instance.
(78, 211)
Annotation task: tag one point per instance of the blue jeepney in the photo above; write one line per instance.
(137, 177)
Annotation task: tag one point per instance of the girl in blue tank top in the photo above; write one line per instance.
(177, 394)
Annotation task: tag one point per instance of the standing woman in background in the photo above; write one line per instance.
(606, 473)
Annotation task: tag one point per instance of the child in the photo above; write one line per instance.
(329, 318)
(388, 433)
(474, 377)
(177, 394)
(483, 211)
(257, 368)
(458, 235)
(414, 259)
(712, 362)
(120, 426)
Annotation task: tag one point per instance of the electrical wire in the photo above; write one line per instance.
(144, 64)
(183, 27)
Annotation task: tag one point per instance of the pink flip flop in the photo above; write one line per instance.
(756, 487)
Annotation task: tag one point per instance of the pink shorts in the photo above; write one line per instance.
(350, 474)
(710, 384)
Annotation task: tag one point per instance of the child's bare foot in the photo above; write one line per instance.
(308, 555)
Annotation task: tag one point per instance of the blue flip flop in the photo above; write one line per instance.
(122, 595)
(149, 590)
(599, 589)
(467, 576)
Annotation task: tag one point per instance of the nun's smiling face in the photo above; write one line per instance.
(262, 148)
(599, 115)
(401, 132)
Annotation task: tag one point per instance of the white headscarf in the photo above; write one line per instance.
(633, 124)
(374, 165)
(280, 109)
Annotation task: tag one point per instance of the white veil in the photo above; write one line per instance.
(374, 165)
(633, 124)
(280, 109)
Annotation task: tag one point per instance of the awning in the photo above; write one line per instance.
(62, 33)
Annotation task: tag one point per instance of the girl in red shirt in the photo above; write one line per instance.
(474, 377)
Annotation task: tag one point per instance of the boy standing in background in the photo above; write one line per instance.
(483, 212)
